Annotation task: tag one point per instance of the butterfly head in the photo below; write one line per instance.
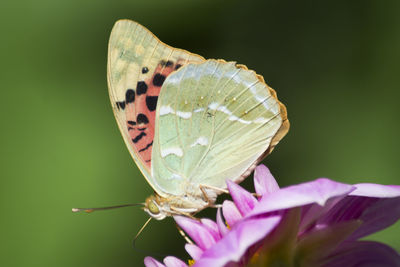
(153, 206)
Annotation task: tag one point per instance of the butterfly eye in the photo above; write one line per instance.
(153, 208)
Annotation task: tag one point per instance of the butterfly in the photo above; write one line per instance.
(189, 123)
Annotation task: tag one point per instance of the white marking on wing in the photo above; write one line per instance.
(235, 118)
(202, 141)
(198, 110)
(224, 109)
(259, 98)
(174, 79)
(245, 78)
(183, 114)
(260, 120)
(213, 105)
(173, 150)
(192, 72)
(165, 110)
(216, 106)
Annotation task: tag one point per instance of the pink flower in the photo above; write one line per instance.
(318, 223)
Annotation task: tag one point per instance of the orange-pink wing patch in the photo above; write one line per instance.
(140, 109)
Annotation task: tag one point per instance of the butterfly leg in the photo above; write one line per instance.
(220, 190)
(178, 212)
(208, 200)
(184, 235)
(202, 187)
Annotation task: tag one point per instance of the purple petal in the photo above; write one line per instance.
(220, 222)
(231, 213)
(194, 251)
(376, 190)
(381, 215)
(377, 206)
(243, 199)
(322, 240)
(174, 262)
(233, 246)
(363, 253)
(212, 228)
(198, 232)
(313, 212)
(318, 191)
(151, 262)
(264, 182)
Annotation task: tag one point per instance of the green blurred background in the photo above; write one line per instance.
(334, 64)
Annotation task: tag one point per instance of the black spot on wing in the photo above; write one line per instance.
(158, 79)
(120, 105)
(145, 70)
(166, 63)
(151, 102)
(141, 118)
(146, 147)
(141, 88)
(130, 124)
(178, 66)
(130, 96)
(138, 137)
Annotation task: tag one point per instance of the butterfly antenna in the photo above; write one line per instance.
(89, 210)
(141, 230)
(144, 251)
(147, 252)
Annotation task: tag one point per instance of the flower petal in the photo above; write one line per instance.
(362, 253)
(194, 251)
(220, 222)
(321, 241)
(318, 191)
(243, 199)
(198, 232)
(376, 214)
(264, 182)
(376, 190)
(231, 213)
(212, 228)
(174, 262)
(313, 212)
(233, 246)
(151, 262)
(377, 206)
(381, 215)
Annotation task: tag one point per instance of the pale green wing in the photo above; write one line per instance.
(215, 120)
(135, 56)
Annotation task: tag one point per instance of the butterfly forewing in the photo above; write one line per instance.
(215, 121)
(138, 64)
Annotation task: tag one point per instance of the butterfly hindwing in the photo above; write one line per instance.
(138, 65)
(215, 121)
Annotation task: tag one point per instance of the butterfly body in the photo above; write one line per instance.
(189, 123)
(160, 207)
